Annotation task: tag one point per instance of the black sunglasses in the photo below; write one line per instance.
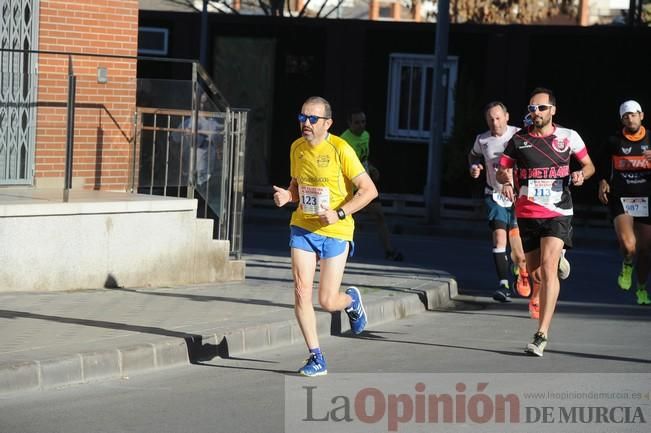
(313, 119)
(540, 107)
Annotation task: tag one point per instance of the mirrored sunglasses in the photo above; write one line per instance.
(540, 107)
(313, 119)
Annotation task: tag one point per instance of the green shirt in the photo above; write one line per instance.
(359, 143)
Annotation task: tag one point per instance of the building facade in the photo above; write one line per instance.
(44, 43)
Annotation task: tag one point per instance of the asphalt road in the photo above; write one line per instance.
(247, 394)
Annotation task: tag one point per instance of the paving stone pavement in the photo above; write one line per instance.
(60, 338)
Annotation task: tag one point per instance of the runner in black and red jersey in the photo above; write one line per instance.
(625, 186)
(540, 156)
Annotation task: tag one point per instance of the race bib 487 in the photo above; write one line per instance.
(636, 206)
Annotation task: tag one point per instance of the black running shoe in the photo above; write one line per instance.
(537, 346)
(503, 294)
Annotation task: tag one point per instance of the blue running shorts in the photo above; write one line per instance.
(324, 246)
(500, 217)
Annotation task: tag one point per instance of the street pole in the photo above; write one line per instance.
(433, 186)
(70, 130)
(635, 13)
(203, 44)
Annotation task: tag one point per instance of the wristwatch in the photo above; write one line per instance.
(341, 214)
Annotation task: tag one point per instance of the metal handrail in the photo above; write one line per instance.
(70, 111)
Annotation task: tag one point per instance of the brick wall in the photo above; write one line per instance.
(103, 153)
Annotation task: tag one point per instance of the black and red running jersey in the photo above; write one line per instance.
(541, 170)
(624, 164)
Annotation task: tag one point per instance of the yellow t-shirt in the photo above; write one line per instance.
(324, 175)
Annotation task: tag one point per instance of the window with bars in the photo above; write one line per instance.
(18, 88)
(409, 98)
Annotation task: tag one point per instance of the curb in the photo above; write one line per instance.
(123, 362)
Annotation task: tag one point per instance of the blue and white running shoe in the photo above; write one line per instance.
(356, 312)
(315, 366)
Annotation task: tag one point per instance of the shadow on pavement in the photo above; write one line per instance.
(373, 336)
(204, 298)
(197, 349)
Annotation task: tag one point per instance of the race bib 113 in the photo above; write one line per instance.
(545, 191)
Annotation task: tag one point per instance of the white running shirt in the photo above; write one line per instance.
(491, 148)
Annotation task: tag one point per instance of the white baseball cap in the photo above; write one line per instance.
(629, 107)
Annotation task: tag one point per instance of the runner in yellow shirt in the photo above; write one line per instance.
(324, 173)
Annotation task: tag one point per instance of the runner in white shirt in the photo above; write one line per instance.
(485, 155)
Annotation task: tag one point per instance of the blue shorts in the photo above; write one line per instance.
(500, 217)
(324, 246)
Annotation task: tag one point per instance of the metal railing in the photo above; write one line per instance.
(192, 143)
(457, 208)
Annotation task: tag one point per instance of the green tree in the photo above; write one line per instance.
(506, 11)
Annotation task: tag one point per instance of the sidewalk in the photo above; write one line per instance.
(55, 339)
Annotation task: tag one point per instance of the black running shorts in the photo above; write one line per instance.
(616, 208)
(533, 229)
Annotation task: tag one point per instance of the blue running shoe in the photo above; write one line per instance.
(356, 312)
(315, 366)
